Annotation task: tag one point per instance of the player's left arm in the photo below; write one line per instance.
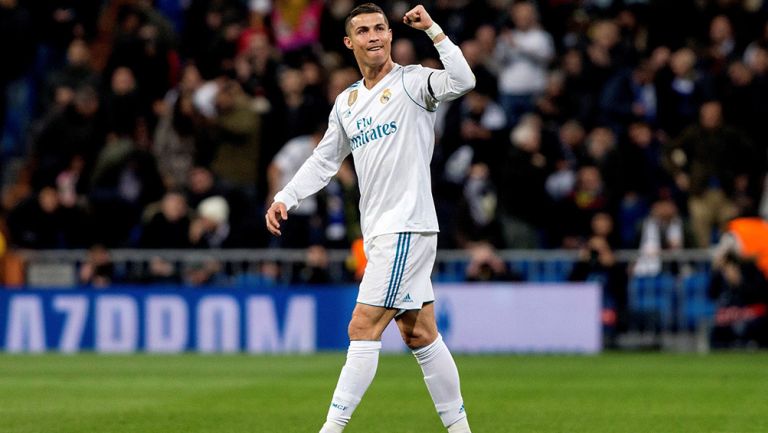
(457, 77)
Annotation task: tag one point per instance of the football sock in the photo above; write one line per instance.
(460, 426)
(442, 380)
(356, 375)
(330, 427)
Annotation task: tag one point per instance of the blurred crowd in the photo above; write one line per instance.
(595, 124)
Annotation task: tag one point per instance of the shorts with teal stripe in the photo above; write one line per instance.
(398, 271)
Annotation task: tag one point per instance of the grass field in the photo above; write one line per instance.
(610, 393)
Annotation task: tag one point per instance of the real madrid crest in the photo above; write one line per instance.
(352, 97)
(385, 95)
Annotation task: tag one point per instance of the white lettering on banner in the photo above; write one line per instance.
(218, 324)
(25, 330)
(166, 324)
(75, 309)
(300, 325)
(117, 320)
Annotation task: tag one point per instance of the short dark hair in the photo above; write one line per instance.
(365, 8)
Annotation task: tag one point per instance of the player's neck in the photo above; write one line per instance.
(373, 74)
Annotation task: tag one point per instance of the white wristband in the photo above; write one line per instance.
(433, 30)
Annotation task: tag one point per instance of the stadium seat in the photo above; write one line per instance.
(695, 306)
(653, 299)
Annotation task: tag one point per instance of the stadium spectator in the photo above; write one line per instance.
(124, 181)
(98, 270)
(662, 230)
(604, 56)
(296, 25)
(642, 179)
(579, 99)
(404, 52)
(122, 104)
(629, 96)
(315, 267)
(711, 162)
(523, 53)
(237, 137)
(210, 37)
(722, 44)
(77, 130)
(166, 224)
(521, 173)
(78, 72)
(142, 46)
(179, 129)
(17, 49)
(306, 226)
(256, 66)
(746, 237)
(682, 89)
(41, 222)
(603, 153)
(485, 265)
(578, 210)
(211, 228)
(475, 123)
(296, 112)
(741, 293)
(597, 262)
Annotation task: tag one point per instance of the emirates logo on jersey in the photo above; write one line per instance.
(385, 96)
(352, 97)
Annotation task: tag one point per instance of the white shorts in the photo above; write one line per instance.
(398, 271)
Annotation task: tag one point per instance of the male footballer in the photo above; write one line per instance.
(386, 120)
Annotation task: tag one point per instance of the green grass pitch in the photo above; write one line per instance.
(616, 393)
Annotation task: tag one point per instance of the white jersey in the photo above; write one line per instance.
(389, 130)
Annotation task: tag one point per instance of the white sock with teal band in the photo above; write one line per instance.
(442, 379)
(355, 378)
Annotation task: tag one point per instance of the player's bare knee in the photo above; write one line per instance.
(360, 331)
(418, 338)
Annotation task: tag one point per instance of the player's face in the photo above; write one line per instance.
(370, 39)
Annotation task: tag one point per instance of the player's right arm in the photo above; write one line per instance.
(313, 175)
(456, 79)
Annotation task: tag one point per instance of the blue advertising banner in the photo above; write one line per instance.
(472, 318)
(158, 320)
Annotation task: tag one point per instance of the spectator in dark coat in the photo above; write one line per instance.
(78, 130)
(629, 96)
(713, 163)
(741, 292)
(167, 225)
(525, 207)
(41, 222)
(682, 90)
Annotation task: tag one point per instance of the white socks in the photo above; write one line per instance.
(356, 375)
(460, 426)
(442, 380)
(440, 375)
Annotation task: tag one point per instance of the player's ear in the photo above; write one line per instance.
(347, 42)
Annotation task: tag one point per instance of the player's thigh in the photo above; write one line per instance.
(418, 327)
(368, 322)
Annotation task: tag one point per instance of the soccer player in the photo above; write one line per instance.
(386, 120)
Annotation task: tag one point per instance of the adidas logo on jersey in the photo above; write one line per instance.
(407, 298)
